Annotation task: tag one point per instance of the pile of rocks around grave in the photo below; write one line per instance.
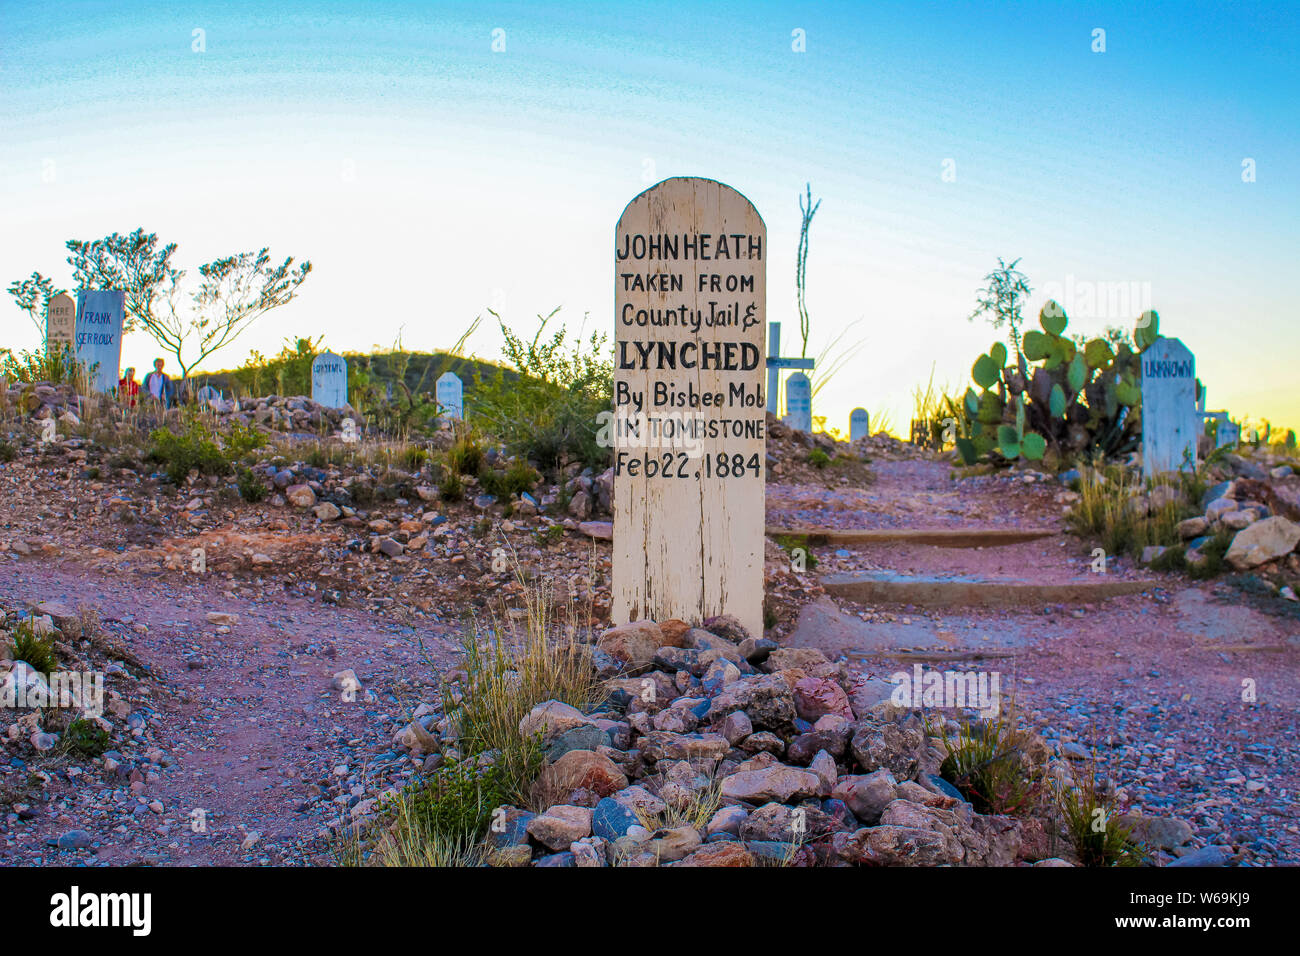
(806, 767)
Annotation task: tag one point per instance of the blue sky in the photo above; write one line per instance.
(428, 177)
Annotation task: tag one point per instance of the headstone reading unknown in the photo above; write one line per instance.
(449, 392)
(798, 402)
(1170, 422)
(859, 424)
(60, 320)
(97, 340)
(329, 380)
(690, 302)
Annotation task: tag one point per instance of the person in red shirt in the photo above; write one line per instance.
(128, 388)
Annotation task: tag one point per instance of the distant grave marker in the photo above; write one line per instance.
(60, 320)
(449, 391)
(329, 380)
(775, 363)
(690, 273)
(798, 402)
(1170, 422)
(97, 339)
(859, 424)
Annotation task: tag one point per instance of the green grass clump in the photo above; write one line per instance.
(508, 484)
(35, 649)
(452, 487)
(1098, 838)
(1110, 510)
(84, 737)
(989, 764)
(7, 451)
(465, 456)
(818, 458)
(790, 543)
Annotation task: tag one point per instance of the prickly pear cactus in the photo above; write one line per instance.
(1064, 401)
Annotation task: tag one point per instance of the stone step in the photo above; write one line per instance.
(887, 587)
(938, 537)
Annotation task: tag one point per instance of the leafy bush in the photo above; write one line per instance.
(84, 737)
(1079, 402)
(519, 477)
(546, 411)
(251, 488)
(56, 364)
(196, 447)
(36, 649)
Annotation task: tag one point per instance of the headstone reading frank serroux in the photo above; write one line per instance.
(1170, 422)
(859, 424)
(97, 339)
(329, 380)
(449, 391)
(798, 402)
(690, 302)
(60, 320)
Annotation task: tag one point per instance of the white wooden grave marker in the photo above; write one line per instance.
(329, 380)
(1170, 422)
(798, 402)
(60, 320)
(98, 336)
(859, 424)
(775, 363)
(449, 392)
(690, 274)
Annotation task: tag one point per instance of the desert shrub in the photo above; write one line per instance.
(241, 440)
(251, 488)
(818, 458)
(545, 537)
(519, 477)
(505, 674)
(456, 801)
(7, 451)
(547, 408)
(36, 649)
(465, 456)
(414, 457)
(84, 737)
(56, 364)
(193, 449)
(1112, 509)
(452, 487)
(988, 762)
(1099, 839)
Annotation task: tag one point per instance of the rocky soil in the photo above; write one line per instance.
(225, 631)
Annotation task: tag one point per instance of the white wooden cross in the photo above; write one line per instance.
(775, 363)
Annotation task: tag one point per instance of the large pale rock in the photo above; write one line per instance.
(1263, 541)
(300, 496)
(582, 768)
(866, 795)
(725, 853)
(632, 644)
(551, 718)
(886, 738)
(780, 783)
(560, 826)
(815, 697)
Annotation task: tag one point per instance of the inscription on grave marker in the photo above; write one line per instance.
(329, 380)
(1170, 422)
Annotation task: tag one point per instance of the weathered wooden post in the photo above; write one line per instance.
(690, 273)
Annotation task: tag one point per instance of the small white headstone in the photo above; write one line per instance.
(98, 336)
(859, 424)
(450, 394)
(329, 380)
(60, 320)
(1228, 434)
(798, 402)
(1170, 422)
